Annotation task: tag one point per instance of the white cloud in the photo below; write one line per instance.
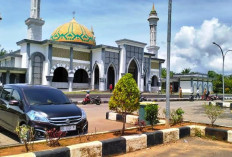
(193, 48)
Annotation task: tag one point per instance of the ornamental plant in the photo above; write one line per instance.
(151, 114)
(141, 124)
(125, 98)
(213, 112)
(53, 136)
(177, 116)
(26, 135)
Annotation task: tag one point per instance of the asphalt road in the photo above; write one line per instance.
(96, 116)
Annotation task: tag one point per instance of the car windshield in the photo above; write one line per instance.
(40, 96)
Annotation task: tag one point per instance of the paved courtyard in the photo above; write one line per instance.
(96, 117)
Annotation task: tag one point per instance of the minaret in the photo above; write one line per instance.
(153, 19)
(34, 23)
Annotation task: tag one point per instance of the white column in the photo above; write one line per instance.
(149, 85)
(102, 84)
(122, 61)
(142, 84)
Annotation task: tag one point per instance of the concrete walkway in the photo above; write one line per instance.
(187, 147)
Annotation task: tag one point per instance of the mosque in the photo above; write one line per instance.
(71, 60)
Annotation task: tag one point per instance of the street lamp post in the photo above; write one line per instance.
(223, 60)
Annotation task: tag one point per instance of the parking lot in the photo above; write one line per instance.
(96, 116)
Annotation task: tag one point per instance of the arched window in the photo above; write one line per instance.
(133, 70)
(154, 81)
(60, 75)
(80, 76)
(37, 68)
(96, 75)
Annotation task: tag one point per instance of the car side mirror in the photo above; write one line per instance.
(14, 102)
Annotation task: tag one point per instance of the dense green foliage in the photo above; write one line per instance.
(213, 112)
(151, 114)
(217, 82)
(125, 98)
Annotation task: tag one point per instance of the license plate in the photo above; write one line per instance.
(68, 128)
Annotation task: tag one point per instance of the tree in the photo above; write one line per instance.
(2, 52)
(125, 98)
(186, 71)
(164, 73)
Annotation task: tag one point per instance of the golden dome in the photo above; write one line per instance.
(73, 32)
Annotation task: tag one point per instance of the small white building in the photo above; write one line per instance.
(190, 82)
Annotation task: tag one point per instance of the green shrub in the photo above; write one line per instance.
(212, 112)
(151, 114)
(125, 98)
(177, 116)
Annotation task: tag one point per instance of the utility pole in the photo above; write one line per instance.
(168, 64)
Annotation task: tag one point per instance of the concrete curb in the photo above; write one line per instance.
(132, 143)
(131, 119)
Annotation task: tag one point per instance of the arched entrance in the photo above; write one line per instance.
(154, 81)
(60, 75)
(96, 77)
(133, 69)
(80, 76)
(110, 77)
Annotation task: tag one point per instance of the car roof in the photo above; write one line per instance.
(26, 86)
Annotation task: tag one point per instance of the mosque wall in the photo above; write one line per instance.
(81, 55)
(134, 52)
(23, 52)
(110, 58)
(38, 48)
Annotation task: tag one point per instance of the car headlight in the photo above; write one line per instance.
(83, 114)
(37, 116)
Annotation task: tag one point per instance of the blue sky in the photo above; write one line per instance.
(116, 19)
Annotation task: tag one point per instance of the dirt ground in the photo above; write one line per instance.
(186, 147)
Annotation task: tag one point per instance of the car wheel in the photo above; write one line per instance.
(98, 102)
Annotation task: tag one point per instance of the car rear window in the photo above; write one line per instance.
(38, 96)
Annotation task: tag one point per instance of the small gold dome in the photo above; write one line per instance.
(73, 32)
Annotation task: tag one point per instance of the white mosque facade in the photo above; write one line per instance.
(71, 60)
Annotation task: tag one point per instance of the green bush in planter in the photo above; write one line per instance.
(151, 114)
